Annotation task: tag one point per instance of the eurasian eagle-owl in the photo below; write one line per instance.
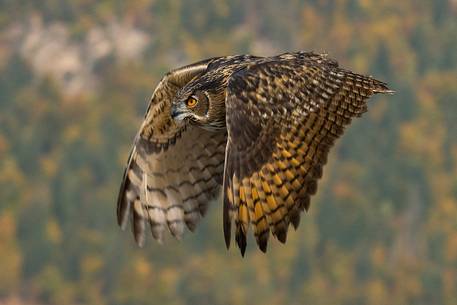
(259, 127)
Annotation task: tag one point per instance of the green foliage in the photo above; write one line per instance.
(381, 230)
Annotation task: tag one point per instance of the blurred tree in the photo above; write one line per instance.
(382, 229)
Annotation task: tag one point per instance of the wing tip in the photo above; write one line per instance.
(241, 240)
(138, 233)
(282, 235)
(227, 234)
(123, 225)
(227, 238)
(123, 203)
(262, 240)
(382, 87)
(140, 242)
(263, 246)
(123, 208)
(295, 220)
(384, 91)
(227, 223)
(242, 245)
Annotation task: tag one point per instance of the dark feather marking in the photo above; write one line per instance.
(261, 89)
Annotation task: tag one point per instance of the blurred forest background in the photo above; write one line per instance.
(75, 80)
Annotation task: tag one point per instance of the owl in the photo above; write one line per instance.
(255, 131)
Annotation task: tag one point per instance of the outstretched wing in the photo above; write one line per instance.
(172, 171)
(283, 116)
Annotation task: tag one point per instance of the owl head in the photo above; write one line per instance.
(201, 102)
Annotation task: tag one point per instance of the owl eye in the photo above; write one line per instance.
(191, 102)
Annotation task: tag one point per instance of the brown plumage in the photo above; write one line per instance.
(259, 126)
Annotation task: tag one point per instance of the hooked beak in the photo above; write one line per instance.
(174, 112)
(177, 113)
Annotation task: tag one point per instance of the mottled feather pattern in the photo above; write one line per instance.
(265, 137)
(298, 106)
(173, 171)
(175, 185)
(182, 180)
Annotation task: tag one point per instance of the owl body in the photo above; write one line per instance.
(259, 129)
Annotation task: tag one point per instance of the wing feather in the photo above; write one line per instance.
(283, 116)
(173, 172)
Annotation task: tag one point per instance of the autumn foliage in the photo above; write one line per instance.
(381, 230)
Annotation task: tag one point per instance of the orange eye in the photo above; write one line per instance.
(191, 102)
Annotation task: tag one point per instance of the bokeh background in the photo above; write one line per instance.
(75, 79)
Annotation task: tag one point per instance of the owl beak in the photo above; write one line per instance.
(174, 112)
(177, 114)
